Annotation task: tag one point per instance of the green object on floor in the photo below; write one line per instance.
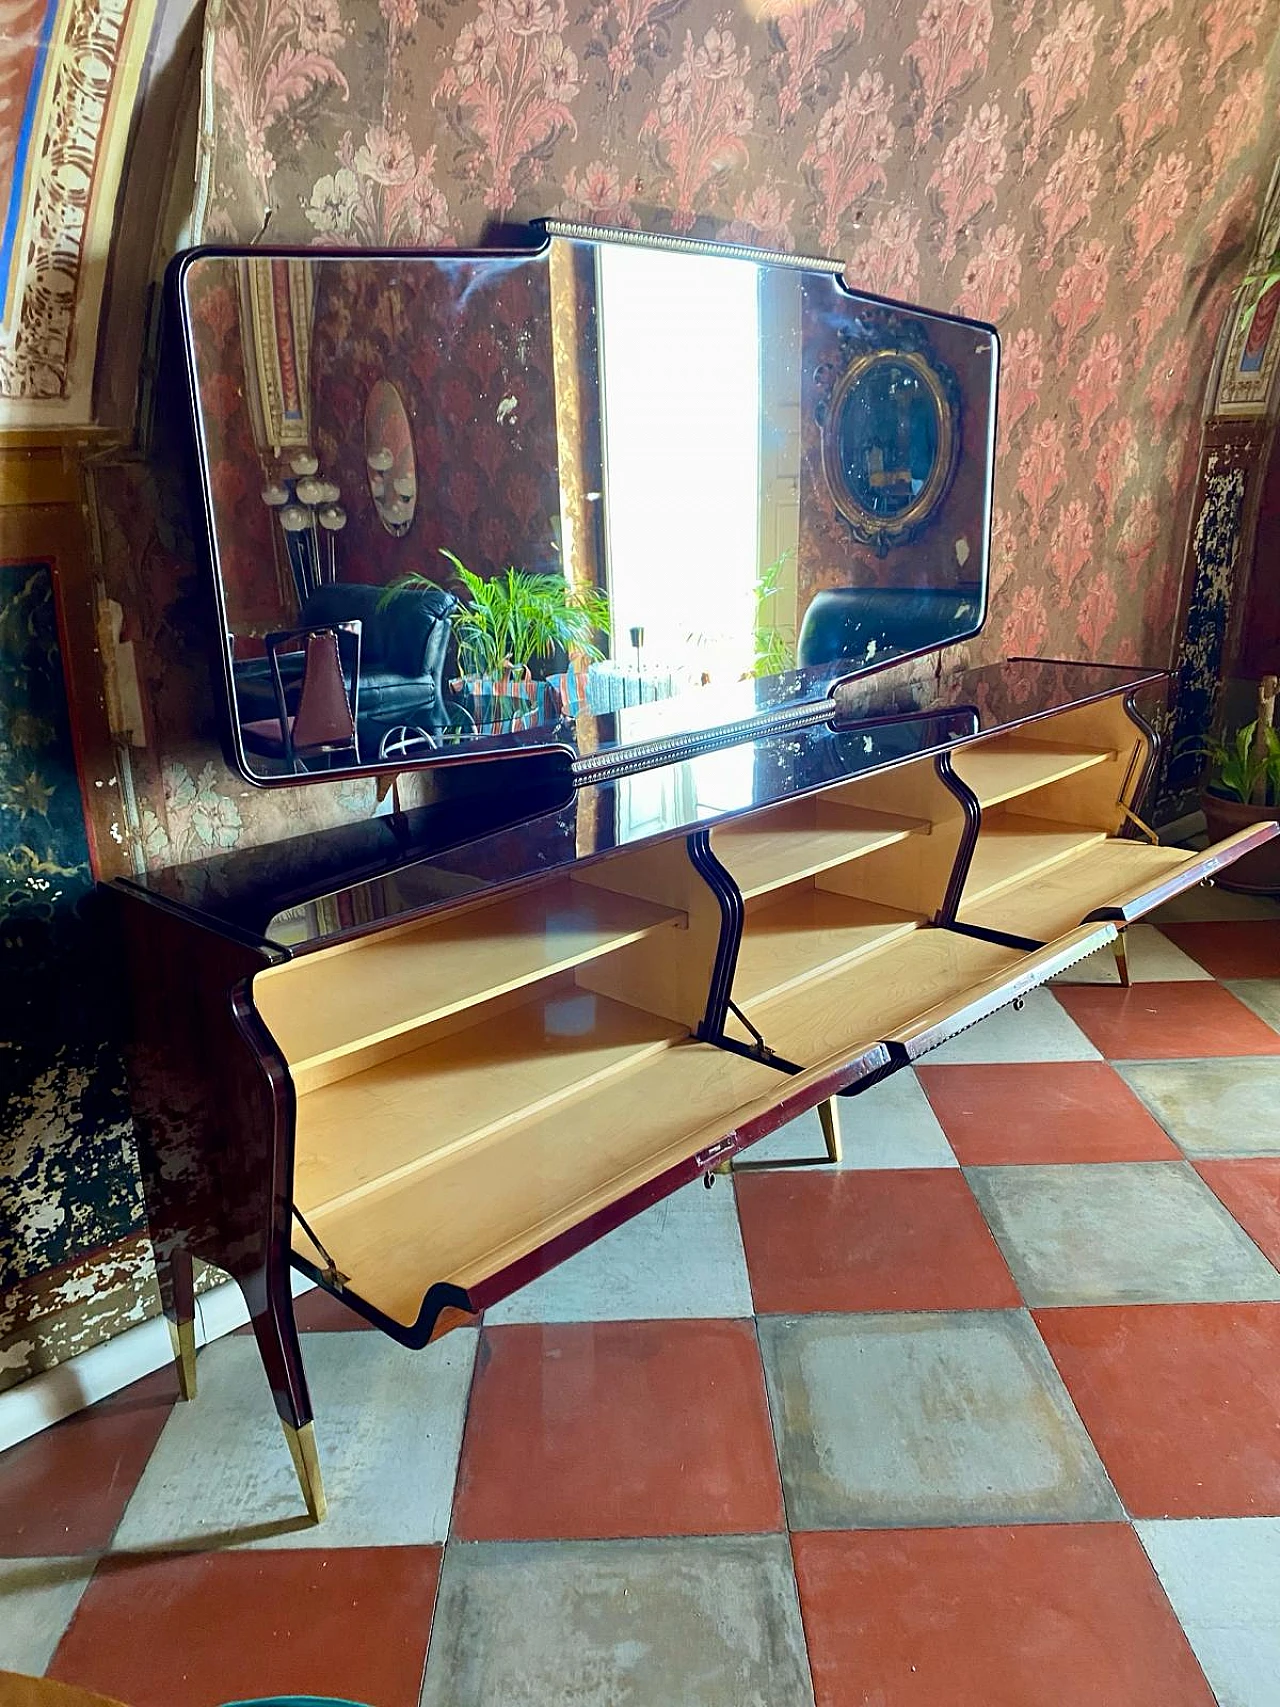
(295, 1701)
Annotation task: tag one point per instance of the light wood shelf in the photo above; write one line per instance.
(1013, 848)
(809, 931)
(1010, 765)
(1055, 901)
(475, 1211)
(834, 1017)
(798, 840)
(326, 1007)
(410, 1112)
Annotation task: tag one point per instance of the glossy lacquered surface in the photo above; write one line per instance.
(308, 890)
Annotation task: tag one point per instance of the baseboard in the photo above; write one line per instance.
(104, 1369)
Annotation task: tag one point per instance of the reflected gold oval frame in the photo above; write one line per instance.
(882, 532)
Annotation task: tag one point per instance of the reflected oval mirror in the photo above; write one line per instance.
(389, 458)
(889, 444)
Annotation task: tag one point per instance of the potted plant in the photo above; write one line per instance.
(512, 626)
(1244, 789)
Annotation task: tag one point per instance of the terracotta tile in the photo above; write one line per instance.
(1250, 1188)
(611, 1429)
(65, 1490)
(1041, 1616)
(1166, 1022)
(195, 1630)
(905, 1239)
(1053, 1111)
(1232, 950)
(1181, 1400)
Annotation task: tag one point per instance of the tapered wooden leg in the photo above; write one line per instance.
(1121, 951)
(829, 1120)
(271, 1312)
(175, 1273)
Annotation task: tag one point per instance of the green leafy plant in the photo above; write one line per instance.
(774, 647)
(517, 619)
(1246, 765)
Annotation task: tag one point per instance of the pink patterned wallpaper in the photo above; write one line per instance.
(1082, 172)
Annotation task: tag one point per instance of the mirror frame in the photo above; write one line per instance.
(884, 532)
(553, 745)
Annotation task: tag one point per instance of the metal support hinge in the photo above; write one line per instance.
(1134, 819)
(332, 1273)
(762, 1050)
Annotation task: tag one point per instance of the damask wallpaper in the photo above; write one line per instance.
(1081, 172)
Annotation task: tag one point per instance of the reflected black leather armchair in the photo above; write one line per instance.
(405, 642)
(866, 623)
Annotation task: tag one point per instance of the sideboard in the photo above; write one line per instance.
(424, 1059)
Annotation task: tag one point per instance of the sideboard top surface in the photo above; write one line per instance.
(301, 892)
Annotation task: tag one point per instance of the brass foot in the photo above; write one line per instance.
(829, 1119)
(1121, 951)
(183, 1336)
(306, 1462)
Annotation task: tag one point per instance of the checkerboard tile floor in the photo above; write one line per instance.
(989, 1413)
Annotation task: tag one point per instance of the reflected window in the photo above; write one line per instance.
(680, 371)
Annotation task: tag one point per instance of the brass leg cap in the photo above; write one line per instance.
(829, 1120)
(306, 1463)
(183, 1336)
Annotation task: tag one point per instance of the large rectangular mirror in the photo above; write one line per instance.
(606, 491)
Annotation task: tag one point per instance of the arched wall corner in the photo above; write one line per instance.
(1241, 411)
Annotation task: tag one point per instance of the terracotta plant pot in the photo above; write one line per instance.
(1258, 873)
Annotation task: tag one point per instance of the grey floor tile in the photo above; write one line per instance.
(1223, 1577)
(38, 1599)
(686, 1623)
(889, 1126)
(1260, 994)
(889, 1421)
(388, 1427)
(1119, 1233)
(683, 1257)
(1040, 1031)
(1213, 903)
(1152, 959)
(1213, 1108)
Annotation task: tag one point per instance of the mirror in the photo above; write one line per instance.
(889, 444)
(605, 491)
(388, 456)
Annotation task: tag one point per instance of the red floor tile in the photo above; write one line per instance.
(617, 1428)
(199, 1629)
(1250, 1188)
(1182, 1402)
(901, 1239)
(65, 1490)
(1053, 1111)
(1231, 949)
(1040, 1616)
(1166, 1022)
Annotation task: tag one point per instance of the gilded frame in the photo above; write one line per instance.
(884, 532)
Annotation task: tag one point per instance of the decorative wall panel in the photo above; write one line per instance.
(69, 72)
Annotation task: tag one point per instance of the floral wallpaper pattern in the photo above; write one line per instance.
(1074, 172)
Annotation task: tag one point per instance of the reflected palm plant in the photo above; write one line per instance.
(518, 619)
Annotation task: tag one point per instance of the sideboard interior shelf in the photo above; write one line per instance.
(424, 1104)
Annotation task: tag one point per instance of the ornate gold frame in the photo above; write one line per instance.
(882, 532)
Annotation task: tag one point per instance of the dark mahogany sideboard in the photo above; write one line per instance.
(424, 1058)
